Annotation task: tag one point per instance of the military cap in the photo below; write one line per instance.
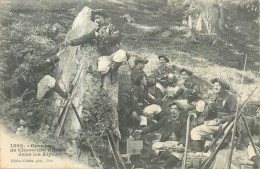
(175, 103)
(141, 60)
(165, 58)
(187, 71)
(98, 12)
(222, 82)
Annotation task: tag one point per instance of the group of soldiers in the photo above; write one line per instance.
(176, 95)
(165, 100)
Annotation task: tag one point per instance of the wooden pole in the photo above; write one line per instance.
(236, 119)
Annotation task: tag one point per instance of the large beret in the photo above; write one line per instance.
(222, 82)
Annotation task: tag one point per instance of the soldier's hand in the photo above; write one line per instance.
(180, 145)
(135, 115)
(138, 132)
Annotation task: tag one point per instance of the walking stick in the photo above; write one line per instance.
(236, 119)
(187, 139)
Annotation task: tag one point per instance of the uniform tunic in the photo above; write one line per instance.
(169, 126)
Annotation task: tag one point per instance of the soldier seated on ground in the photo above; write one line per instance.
(222, 107)
(161, 74)
(140, 100)
(188, 94)
(167, 88)
(108, 42)
(168, 148)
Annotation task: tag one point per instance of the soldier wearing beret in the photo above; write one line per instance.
(221, 108)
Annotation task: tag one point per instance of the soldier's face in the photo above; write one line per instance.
(141, 66)
(175, 112)
(162, 61)
(99, 19)
(217, 87)
(184, 75)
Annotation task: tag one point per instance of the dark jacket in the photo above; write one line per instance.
(162, 71)
(192, 92)
(140, 99)
(107, 46)
(169, 126)
(224, 106)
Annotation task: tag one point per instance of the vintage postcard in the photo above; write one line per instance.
(129, 84)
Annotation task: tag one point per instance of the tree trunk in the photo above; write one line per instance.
(212, 18)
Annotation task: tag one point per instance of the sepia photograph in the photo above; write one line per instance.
(129, 84)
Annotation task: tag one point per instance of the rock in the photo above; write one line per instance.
(128, 18)
(82, 25)
(166, 34)
(58, 27)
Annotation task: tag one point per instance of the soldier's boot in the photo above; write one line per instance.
(256, 160)
(198, 145)
(171, 162)
(58, 89)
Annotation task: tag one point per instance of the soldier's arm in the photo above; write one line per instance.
(195, 89)
(135, 106)
(155, 126)
(232, 107)
(183, 133)
(87, 38)
(115, 35)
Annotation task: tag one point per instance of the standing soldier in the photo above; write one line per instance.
(138, 69)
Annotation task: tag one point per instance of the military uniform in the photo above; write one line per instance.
(224, 107)
(169, 128)
(192, 90)
(109, 48)
(135, 74)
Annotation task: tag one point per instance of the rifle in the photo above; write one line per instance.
(240, 109)
(208, 162)
(65, 109)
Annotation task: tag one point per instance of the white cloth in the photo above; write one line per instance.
(152, 109)
(160, 87)
(143, 121)
(105, 62)
(171, 91)
(202, 131)
(157, 146)
(250, 151)
(46, 83)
